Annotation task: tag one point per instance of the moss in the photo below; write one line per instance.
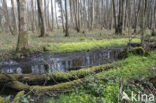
(1, 99)
(22, 45)
(82, 72)
(58, 87)
(135, 51)
(18, 86)
(60, 76)
(87, 45)
(83, 39)
(19, 94)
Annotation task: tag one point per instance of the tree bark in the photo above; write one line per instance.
(143, 21)
(7, 17)
(52, 13)
(137, 16)
(22, 45)
(120, 17)
(92, 16)
(62, 15)
(114, 14)
(154, 17)
(41, 19)
(56, 15)
(15, 17)
(67, 31)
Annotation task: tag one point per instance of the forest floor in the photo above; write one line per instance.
(107, 87)
(8, 42)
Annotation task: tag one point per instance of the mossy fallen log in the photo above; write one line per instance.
(16, 85)
(57, 77)
(18, 96)
(57, 87)
(136, 51)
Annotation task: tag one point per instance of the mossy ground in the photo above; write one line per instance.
(88, 45)
(107, 83)
(8, 42)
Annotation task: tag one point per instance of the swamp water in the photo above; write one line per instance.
(64, 62)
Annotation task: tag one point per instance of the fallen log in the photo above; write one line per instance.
(58, 77)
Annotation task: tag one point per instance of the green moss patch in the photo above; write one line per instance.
(88, 45)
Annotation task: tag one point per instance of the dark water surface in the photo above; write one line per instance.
(47, 63)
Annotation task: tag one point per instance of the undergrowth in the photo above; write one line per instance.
(104, 87)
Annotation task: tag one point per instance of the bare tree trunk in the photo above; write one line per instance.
(41, 19)
(7, 17)
(15, 17)
(71, 13)
(154, 17)
(52, 13)
(56, 16)
(120, 17)
(48, 16)
(114, 13)
(62, 15)
(1, 24)
(22, 45)
(137, 16)
(76, 15)
(45, 12)
(92, 16)
(143, 21)
(66, 10)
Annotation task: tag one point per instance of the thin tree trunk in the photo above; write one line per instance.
(154, 18)
(114, 13)
(92, 16)
(56, 16)
(7, 17)
(15, 17)
(41, 19)
(120, 17)
(62, 15)
(137, 16)
(66, 10)
(143, 21)
(52, 13)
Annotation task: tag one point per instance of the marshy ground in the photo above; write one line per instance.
(96, 83)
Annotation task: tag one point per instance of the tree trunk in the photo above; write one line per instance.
(154, 17)
(15, 17)
(76, 15)
(22, 45)
(143, 21)
(114, 14)
(92, 16)
(67, 31)
(41, 19)
(56, 15)
(7, 17)
(120, 17)
(62, 15)
(137, 16)
(52, 13)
